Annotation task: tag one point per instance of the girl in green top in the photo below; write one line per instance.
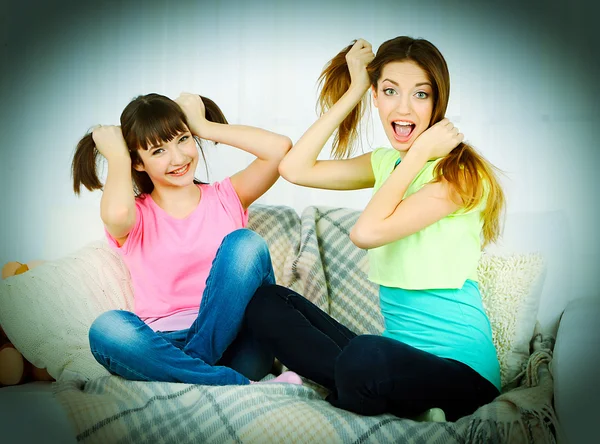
(436, 203)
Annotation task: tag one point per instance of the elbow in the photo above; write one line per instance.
(361, 237)
(284, 145)
(117, 216)
(287, 172)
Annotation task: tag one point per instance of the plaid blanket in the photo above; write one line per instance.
(314, 257)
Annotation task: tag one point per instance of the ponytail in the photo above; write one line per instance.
(474, 179)
(212, 111)
(84, 165)
(334, 82)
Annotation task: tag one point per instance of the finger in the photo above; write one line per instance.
(361, 44)
(366, 52)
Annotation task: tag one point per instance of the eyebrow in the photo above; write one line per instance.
(177, 136)
(418, 84)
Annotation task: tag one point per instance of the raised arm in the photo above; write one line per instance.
(388, 216)
(269, 148)
(301, 166)
(117, 206)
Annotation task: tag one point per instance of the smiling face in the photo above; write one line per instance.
(170, 164)
(404, 99)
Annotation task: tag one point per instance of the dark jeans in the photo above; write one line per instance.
(366, 374)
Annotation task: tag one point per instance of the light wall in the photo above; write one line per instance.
(523, 91)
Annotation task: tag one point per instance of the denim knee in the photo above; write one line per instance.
(248, 248)
(111, 326)
(247, 241)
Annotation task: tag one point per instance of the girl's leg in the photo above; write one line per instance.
(375, 375)
(248, 356)
(303, 337)
(241, 266)
(126, 346)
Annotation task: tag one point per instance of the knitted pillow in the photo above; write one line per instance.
(47, 312)
(510, 286)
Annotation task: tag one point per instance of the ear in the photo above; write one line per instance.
(139, 167)
(374, 94)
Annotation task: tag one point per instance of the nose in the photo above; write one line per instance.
(177, 156)
(404, 105)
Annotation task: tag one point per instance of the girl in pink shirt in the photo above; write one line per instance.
(193, 265)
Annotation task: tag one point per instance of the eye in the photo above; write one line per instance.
(157, 151)
(389, 91)
(421, 95)
(184, 138)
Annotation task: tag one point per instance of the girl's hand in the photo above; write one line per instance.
(194, 111)
(359, 56)
(109, 142)
(438, 140)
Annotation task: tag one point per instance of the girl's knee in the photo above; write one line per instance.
(111, 324)
(247, 241)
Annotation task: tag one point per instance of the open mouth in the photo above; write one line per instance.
(403, 129)
(181, 171)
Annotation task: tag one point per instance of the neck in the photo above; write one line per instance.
(166, 196)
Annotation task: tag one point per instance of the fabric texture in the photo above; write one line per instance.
(442, 255)
(104, 410)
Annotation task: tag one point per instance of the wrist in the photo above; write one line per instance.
(124, 158)
(357, 92)
(417, 154)
(203, 129)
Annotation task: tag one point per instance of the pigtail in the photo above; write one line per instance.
(84, 165)
(334, 81)
(213, 112)
(473, 178)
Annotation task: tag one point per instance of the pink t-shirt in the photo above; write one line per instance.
(169, 259)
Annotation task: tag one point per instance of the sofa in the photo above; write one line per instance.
(47, 312)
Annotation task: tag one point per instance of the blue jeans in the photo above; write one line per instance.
(217, 349)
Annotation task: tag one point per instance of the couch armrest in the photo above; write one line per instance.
(576, 367)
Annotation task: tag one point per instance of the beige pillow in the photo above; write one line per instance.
(511, 287)
(47, 311)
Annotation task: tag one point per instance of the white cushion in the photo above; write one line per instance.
(511, 287)
(47, 311)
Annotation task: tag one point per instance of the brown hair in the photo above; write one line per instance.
(464, 169)
(146, 121)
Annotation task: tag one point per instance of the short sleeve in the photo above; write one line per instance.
(231, 201)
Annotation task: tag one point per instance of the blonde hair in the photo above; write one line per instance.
(467, 171)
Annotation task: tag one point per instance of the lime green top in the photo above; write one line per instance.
(442, 255)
